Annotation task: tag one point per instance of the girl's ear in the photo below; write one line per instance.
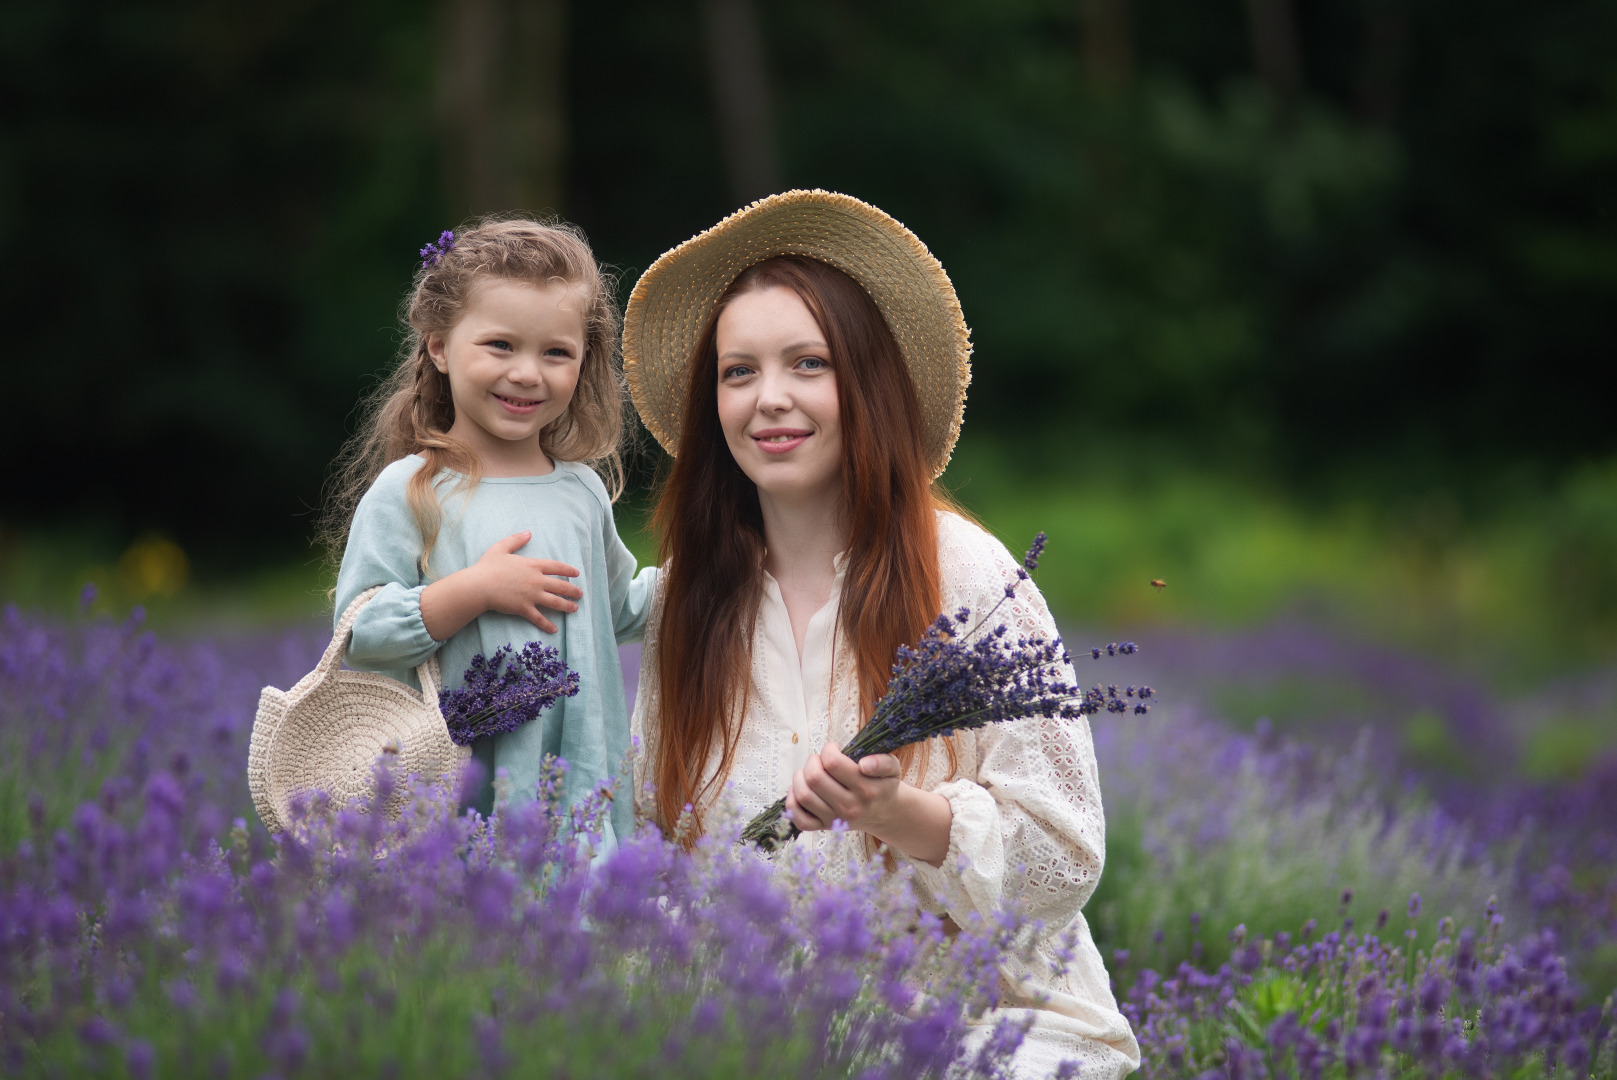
(435, 349)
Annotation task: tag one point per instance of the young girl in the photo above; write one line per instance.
(488, 442)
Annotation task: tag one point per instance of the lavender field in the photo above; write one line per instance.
(1326, 857)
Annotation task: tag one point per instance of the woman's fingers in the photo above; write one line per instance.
(832, 786)
(809, 810)
(880, 766)
(839, 766)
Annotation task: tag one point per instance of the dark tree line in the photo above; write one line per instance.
(1365, 239)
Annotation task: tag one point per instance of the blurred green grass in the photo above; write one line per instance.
(1521, 591)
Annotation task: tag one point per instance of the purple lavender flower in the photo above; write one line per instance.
(1031, 559)
(502, 693)
(960, 677)
(438, 249)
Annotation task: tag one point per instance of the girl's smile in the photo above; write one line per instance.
(519, 406)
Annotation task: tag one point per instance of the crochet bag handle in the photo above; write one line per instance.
(331, 660)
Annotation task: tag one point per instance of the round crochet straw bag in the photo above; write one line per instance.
(326, 733)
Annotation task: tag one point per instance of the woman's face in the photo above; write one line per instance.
(777, 396)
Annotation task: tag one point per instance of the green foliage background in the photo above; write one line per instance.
(1377, 292)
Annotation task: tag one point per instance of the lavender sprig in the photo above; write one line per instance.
(502, 692)
(957, 678)
(438, 249)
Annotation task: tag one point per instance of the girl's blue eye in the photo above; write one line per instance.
(501, 344)
(558, 351)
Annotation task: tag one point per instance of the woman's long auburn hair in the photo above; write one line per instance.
(712, 539)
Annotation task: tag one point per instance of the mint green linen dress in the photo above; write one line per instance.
(570, 515)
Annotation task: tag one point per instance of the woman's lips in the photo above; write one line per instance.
(517, 406)
(780, 440)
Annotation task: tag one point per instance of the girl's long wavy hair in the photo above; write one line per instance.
(411, 412)
(712, 541)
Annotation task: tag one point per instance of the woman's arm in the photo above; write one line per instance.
(1027, 821)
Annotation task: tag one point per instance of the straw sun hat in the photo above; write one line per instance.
(673, 299)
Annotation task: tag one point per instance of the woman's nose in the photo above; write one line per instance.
(773, 392)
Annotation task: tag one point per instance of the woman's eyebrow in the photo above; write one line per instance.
(796, 346)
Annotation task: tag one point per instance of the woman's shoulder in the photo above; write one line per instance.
(976, 568)
(961, 540)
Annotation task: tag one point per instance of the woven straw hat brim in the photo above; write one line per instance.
(673, 298)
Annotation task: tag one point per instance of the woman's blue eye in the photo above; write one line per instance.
(737, 372)
(813, 363)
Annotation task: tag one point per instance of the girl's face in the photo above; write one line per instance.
(513, 361)
(777, 396)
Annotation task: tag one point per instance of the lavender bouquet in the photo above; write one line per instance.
(958, 677)
(503, 692)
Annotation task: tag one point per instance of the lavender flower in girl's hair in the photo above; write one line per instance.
(502, 693)
(438, 249)
(948, 682)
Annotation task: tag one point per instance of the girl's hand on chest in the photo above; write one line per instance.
(503, 581)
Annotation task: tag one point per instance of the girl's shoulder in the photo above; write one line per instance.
(392, 483)
(589, 479)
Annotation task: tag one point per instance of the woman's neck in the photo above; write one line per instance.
(802, 541)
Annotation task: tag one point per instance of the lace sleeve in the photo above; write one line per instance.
(644, 720)
(1028, 822)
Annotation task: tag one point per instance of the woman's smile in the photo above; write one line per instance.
(780, 440)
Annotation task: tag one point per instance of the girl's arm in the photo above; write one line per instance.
(630, 592)
(500, 581)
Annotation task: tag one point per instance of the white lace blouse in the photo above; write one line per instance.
(1026, 795)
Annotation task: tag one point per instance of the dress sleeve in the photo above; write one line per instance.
(384, 548)
(1028, 823)
(631, 591)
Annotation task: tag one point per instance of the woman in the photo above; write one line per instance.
(805, 362)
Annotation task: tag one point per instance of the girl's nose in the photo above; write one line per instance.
(524, 370)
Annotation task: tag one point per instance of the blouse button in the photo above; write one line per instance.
(794, 736)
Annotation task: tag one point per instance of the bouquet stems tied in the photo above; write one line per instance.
(959, 677)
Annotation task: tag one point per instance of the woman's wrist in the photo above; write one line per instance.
(918, 825)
